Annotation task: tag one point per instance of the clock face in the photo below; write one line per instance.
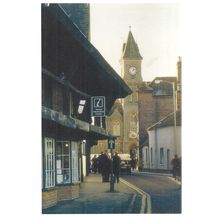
(132, 70)
(132, 135)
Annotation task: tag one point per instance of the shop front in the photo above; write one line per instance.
(61, 171)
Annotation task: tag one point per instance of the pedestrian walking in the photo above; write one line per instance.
(175, 166)
(140, 164)
(179, 169)
(100, 162)
(106, 167)
(133, 163)
(116, 166)
(94, 164)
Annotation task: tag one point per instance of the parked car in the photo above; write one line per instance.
(125, 166)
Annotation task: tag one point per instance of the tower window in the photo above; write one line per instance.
(131, 97)
(116, 128)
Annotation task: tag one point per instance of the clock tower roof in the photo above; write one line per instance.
(130, 49)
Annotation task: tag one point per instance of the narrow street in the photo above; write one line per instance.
(165, 193)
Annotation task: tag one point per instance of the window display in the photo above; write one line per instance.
(49, 162)
(63, 162)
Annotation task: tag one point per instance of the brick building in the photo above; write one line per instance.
(156, 101)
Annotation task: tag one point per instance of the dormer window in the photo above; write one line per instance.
(81, 106)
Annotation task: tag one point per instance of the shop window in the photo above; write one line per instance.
(161, 156)
(75, 162)
(63, 162)
(49, 162)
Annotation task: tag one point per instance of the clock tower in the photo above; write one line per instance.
(131, 72)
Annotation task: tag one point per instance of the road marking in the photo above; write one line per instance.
(131, 205)
(176, 181)
(145, 197)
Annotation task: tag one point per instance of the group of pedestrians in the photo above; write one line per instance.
(103, 165)
(176, 167)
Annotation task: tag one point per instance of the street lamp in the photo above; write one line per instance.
(174, 108)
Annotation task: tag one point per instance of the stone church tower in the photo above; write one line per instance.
(131, 72)
(122, 120)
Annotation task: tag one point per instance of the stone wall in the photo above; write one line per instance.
(67, 192)
(49, 198)
(52, 196)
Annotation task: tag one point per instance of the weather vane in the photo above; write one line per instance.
(129, 27)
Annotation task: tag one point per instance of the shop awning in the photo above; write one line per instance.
(63, 126)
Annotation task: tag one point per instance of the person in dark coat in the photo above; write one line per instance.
(179, 169)
(106, 168)
(116, 166)
(133, 163)
(175, 166)
(100, 162)
(94, 164)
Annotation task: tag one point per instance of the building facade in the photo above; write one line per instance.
(156, 101)
(163, 145)
(73, 72)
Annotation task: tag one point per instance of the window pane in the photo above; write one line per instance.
(63, 162)
(49, 162)
(80, 109)
(66, 176)
(116, 128)
(75, 170)
(59, 165)
(59, 148)
(66, 162)
(59, 179)
(161, 156)
(66, 148)
(82, 102)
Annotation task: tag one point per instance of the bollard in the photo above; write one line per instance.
(112, 179)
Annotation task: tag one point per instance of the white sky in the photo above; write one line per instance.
(155, 28)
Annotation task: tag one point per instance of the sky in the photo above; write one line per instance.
(155, 28)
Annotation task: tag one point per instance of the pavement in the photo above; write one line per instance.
(96, 198)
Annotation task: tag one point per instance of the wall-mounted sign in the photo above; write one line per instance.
(111, 143)
(98, 106)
